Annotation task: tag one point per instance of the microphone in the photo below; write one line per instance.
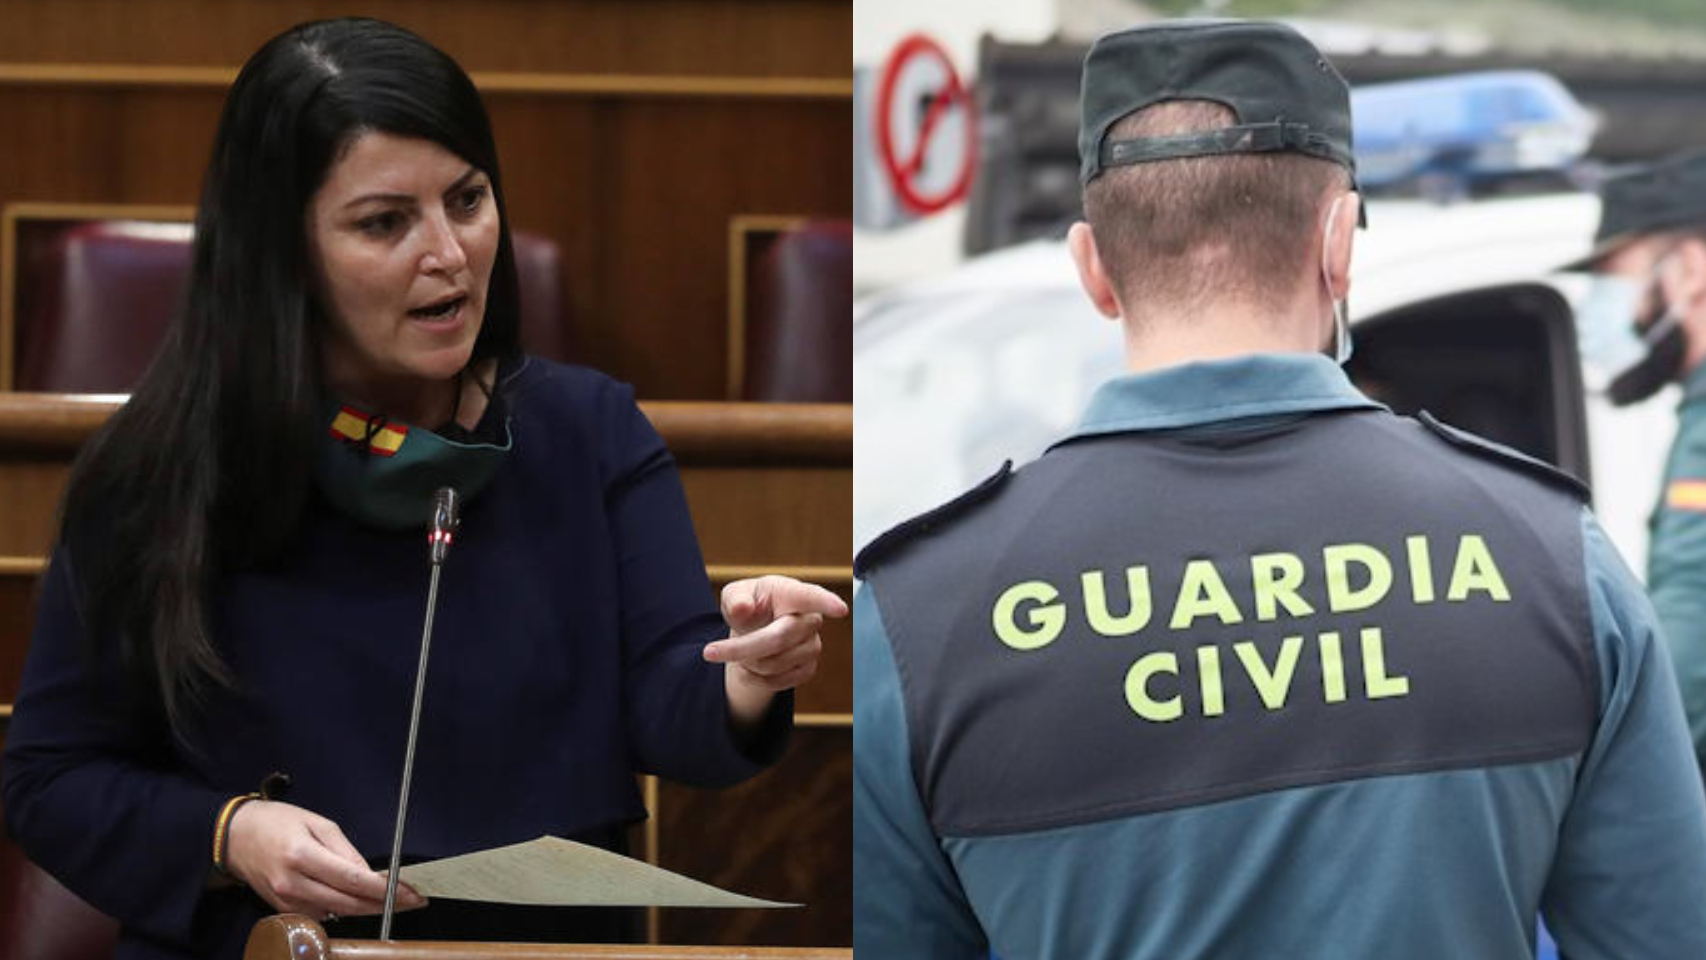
(446, 517)
(446, 507)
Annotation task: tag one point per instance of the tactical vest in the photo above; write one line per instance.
(1139, 622)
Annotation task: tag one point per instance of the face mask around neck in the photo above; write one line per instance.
(1625, 361)
(1342, 346)
(385, 474)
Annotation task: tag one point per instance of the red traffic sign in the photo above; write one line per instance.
(926, 127)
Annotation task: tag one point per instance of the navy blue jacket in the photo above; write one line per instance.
(565, 660)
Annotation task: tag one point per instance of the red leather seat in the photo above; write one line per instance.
(799, 342)
(101, 303)
(100, 298)
(41, 920)
(544, 314)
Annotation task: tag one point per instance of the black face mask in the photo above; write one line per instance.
(1667, 347)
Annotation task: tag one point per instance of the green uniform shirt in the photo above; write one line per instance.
(1676, 564)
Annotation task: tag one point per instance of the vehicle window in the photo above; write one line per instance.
(1498, 362)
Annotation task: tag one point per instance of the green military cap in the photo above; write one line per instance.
(1284, 93)
(1658, 196)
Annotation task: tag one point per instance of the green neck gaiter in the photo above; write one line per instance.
(384, 474)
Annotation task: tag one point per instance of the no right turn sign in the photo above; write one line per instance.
(923, 129)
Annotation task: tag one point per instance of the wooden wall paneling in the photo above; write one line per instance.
(637, 192)
(39, 436)
(549, 148)
(830, 692)
(777, 434)
(18, 579)
(784, 835)
(131, 75)
(107, 144)
(647, 849)
(750, 235)
(761, 516)
(31, 489)
(755, 513)
(630, 132)
(750, 508)
(693, 167)
(714, 37)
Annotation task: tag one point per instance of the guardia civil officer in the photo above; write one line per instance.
(1643, 325)
(1248, 666)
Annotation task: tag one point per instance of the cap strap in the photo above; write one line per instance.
(1245, 138)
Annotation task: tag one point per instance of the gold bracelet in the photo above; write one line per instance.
(222, 828)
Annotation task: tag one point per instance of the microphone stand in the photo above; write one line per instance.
(445, 520)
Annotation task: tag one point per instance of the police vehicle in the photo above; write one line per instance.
(1457, 308)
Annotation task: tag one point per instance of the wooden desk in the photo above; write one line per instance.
(295, 937)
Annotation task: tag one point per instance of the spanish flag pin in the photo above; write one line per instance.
(352, 425)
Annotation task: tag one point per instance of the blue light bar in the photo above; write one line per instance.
(1472, 126)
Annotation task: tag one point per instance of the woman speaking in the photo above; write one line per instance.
(212, 716)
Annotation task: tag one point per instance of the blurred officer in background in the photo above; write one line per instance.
(1248, 665)
(1643, 325)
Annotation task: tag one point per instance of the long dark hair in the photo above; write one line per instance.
(207, 469)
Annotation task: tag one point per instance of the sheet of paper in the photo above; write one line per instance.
(563, 873)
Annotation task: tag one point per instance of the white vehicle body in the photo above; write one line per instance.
(996, 360)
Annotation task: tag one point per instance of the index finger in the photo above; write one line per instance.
(345, 868)
(788, 595)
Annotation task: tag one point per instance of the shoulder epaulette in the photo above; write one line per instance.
(899, 534)
(1480, 446)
